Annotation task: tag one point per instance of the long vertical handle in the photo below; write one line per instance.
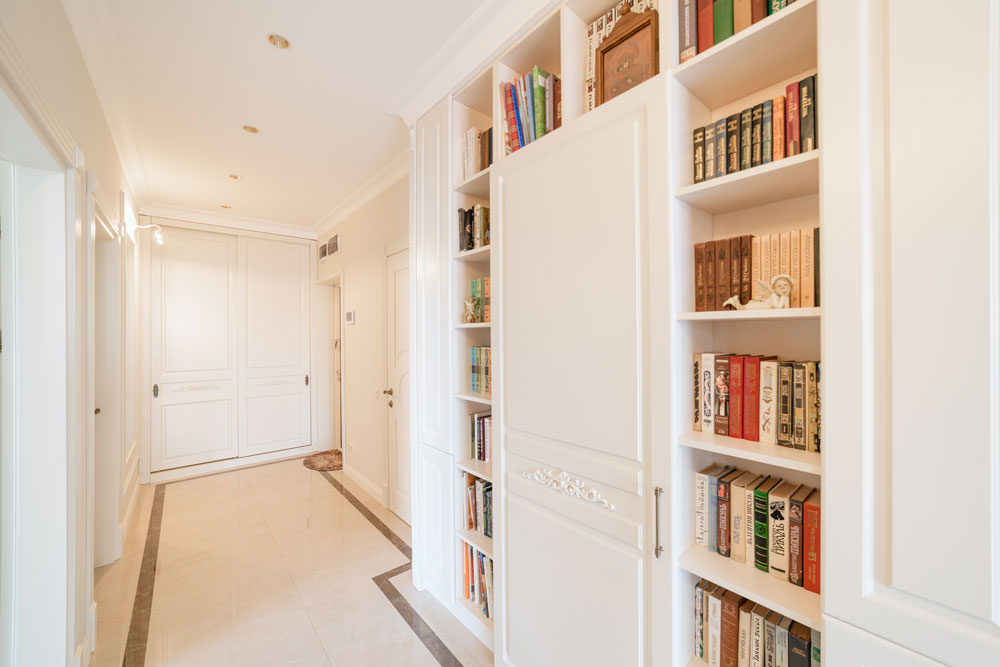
(658, 491)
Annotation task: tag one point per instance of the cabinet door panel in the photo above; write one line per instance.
(433, 545)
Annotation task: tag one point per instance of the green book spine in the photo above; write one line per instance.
(472, 366)
(539, 76)
(723, 19)
(777, 4)
(760, 530)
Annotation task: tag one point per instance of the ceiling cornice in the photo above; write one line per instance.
(476, 43)
(222, 220)
(388, 175)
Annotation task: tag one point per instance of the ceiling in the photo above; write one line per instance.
(179, 78)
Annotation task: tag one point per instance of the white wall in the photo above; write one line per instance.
(363, 238)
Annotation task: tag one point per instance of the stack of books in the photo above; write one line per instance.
(732, 630)
(479, 290)
(764, 133)
(477, 151)
(478, 578)
(717, 20)
(533, 108)
(479, 505)
(473, 227)
(482, 371)
(758, 398)
(596, 34)
(481, 436)
(759, 520)
(737, 266)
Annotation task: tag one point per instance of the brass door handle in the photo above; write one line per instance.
(390, 402)
(97, 411)
(387, 391)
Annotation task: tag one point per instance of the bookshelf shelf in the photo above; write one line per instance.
(475, 611)
(788, 178)
(480, 469)
(480, 254)
(475, 398)
(697, 662)
(746, 62)
(730, 315)
(477, 186)
(785, 598)
(774, 455)
(477, 540)
(473, 325)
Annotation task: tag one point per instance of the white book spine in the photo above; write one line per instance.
(700, 508)
(768, 413)
(815, 648)
(714, 630)
(756, 640)
(744, 653)
(737, 523)
(748, 534)
(755, 269)
(781, 647)
(796, 268)
(765, 260)
(707, 368)
(777, 536)
(808, 276)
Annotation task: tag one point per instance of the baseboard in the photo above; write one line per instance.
(376, 491)
(229, 464)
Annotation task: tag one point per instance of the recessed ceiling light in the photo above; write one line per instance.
(226, 206)
(277, 41)
(251, 129)
(236, 177)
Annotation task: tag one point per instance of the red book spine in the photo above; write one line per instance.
(791, 119)
(735, 397)
(811, 559)
(706, 25)
(511, 120)
(751, 398)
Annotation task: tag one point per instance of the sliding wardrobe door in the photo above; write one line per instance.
(274, 346)
(193, 342)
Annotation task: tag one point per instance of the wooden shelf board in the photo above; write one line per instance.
(773, 49)
(788, 178)
(774, 455)
(780, 596)
(473, 325)
(480, 254)
(475, 398)
(476, 186)
(697, 662)
(476, 539)
(480, 469)
(475, 611)
(774, 314)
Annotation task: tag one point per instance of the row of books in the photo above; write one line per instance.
(481, 436)
(479, 505)
(597, 32)
(764, 133)
(748, 267)
(473, 227)
(482, 370)
(759, 399)
(479, 290)
(477, 151)
(478, 570)
(732, 630)
(718, 20)
(759, 520)
(533, 106)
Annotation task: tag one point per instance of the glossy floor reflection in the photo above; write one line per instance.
(272, 566)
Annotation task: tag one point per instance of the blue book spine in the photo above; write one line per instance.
(713, 509)
(529, 101)
(517, 114)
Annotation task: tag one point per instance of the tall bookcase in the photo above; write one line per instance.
(753, 65)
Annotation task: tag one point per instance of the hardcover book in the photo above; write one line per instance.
(796, 512)
(721, 394)
(751, 398)
(770, 630)
(811, 546)
(699, 154)
(742, 17)
(778, 127)
(707, 392)
(755, 267)
(765, 264)
(724, 528)
(699, 277)
(539, 103)
(710, 303)
(756, 135)
(743, 656)
(557, 102)
(687, 26)
(760, 522)
(807, 114)
(709, 151)
(746, 268)
(729, 636)
(736, 396)
(735, 249)
(712, 523)
(815, 644)
(715, 625)
(699, 600)
(767, 132)
(721, 167)
(808, 271)
(696, 379)
(792, 120)
(785, 404)
(721, 273)
(812, 407)
(758, 10)
(723, 19)
(746, 138)
(775, 256)
(798, 645)
(738, 516)
(733, 134)
(706, 27)
(816, 256)
(709, 589)
(795, 250)
(799, 406)
(781, 642)
(748, 529)
(785, 253)
(777, 529)
(757, 615)
(776, 5)
(768, 411)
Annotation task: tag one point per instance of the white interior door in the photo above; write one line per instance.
(274, 346)
(397, 282)
(193, 343)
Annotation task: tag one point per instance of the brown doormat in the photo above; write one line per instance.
(331, 459)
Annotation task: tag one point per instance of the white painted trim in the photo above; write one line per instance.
(470, 50)
(371, 488)
(399, 245)
(182, 214)
(390, 174)
(203, 469)
(91, 630)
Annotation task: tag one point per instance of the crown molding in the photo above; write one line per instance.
(391, 173)
(221, 220)
(476, 43)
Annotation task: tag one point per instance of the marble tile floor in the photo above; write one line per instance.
(270, 566)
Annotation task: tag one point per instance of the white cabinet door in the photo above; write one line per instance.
(274, 346)
(194, 360)
(572, 225)
(397, 336)
(436, 531)
(911, 358)
(846, 646)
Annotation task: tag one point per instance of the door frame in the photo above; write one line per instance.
(400, 246)
(339, 280)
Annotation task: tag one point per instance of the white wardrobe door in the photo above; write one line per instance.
(274, 346)
(194, 360)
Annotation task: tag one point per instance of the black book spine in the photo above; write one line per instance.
(709, 151)
(733, 144)
(798, 651)
(699, 155)
(816, 284)
(755, 135)
(746, 138)
(785, 404)
(687, 36)
(767, 132)
(720, 147)
(489, 135)
(807, 114)
(470, 228)
(463, 238)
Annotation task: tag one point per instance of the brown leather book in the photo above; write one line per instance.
(710, 303)
(734, 268)
(746, 268)
(699, 277)
(722, 248)
(758, 10)
(729, 648)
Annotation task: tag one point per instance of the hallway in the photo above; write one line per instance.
(271, 565)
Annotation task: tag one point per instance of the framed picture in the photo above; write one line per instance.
(629, 55)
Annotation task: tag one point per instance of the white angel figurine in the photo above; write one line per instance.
(470, 310)
(775, 296)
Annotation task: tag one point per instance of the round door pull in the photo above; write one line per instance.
(97, 411)
(390, 402)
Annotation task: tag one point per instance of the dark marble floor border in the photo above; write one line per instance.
(138, 629)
